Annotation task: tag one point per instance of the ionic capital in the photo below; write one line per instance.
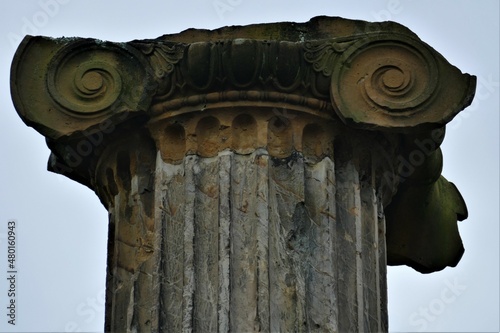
(368, 74)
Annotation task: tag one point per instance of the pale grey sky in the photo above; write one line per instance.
(63, 227)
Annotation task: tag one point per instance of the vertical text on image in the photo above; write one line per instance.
(11, 271)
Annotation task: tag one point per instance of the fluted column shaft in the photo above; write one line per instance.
(240, 240)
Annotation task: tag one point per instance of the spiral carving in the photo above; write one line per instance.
(382, 81)
(83, 85)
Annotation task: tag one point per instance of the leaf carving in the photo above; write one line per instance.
(161, 56)
(322, 54)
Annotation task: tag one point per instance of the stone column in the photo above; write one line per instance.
(250, 173)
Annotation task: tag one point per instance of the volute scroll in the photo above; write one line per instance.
(78, 83)
(397, 82)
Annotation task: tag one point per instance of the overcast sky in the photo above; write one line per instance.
(62, 227)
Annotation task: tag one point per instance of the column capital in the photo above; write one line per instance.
(328, 87)
(371, 75)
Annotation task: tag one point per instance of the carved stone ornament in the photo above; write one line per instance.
(370, 75)
(258, 178)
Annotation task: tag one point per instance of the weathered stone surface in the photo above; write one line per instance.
(373, 75)
(253, 173)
